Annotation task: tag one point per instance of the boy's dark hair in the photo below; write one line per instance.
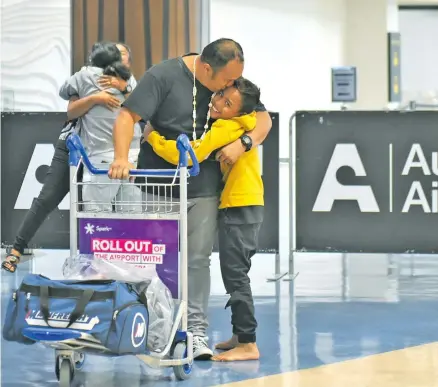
(218, 53)
(250, 94)
(107, 57)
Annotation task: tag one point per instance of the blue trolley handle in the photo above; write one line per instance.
(77, 151)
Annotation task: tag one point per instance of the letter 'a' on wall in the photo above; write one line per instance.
(154, 29)
(331, 189)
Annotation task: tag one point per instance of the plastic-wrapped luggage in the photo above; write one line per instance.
(159, 298)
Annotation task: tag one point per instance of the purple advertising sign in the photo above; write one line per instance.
(138, 242)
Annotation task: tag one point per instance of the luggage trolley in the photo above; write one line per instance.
(178, 353)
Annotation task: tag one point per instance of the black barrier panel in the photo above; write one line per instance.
(270, 158)
(367, 181)
(27, 146)
(270, 150)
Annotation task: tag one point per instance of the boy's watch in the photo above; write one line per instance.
(246, 142)
(127, 90)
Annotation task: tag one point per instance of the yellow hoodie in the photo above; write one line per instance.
(243, 181)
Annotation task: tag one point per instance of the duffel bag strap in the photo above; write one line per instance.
(141, 289)
(78, 311)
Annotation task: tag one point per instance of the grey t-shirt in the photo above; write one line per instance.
(164, 96)
(96, 126)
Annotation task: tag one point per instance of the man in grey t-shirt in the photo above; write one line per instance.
(165, 97)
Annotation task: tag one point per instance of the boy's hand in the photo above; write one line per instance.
(231, 153)
(148, 129)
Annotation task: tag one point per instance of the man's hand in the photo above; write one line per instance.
(230, 154)
(119, 169)
(108, 81)
(107, 99)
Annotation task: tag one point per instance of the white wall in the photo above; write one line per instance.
(419, 54)
(289, 46)
(366, 47)
(35, 54)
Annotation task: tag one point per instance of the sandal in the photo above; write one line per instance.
(11, 262)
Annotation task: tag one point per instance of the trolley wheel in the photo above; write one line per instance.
(182, 372)
(65, 372)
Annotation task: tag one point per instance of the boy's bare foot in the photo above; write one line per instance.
(229, 344)
(241, 352)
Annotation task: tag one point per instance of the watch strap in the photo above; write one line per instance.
(127, 90)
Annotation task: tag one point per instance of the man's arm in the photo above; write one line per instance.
(262, 129)
(231, 153)
(142, 103)
(123, 133)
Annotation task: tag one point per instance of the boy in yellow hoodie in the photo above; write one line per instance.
(241, 207)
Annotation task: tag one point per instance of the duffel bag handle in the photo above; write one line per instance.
(78, 311)
(141, 290)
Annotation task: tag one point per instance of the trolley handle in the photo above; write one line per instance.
(77, 151)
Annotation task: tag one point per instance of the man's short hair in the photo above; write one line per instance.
(218, 53)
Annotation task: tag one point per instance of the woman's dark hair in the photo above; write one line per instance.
(250, 94)
(107, 57)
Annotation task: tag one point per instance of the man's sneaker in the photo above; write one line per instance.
(200, 348)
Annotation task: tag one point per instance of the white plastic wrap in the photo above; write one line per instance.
(160, 303)
(161, 309)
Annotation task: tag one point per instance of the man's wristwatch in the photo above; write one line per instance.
(246, 142)
(127, 90)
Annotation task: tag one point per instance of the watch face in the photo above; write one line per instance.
(246, 141)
